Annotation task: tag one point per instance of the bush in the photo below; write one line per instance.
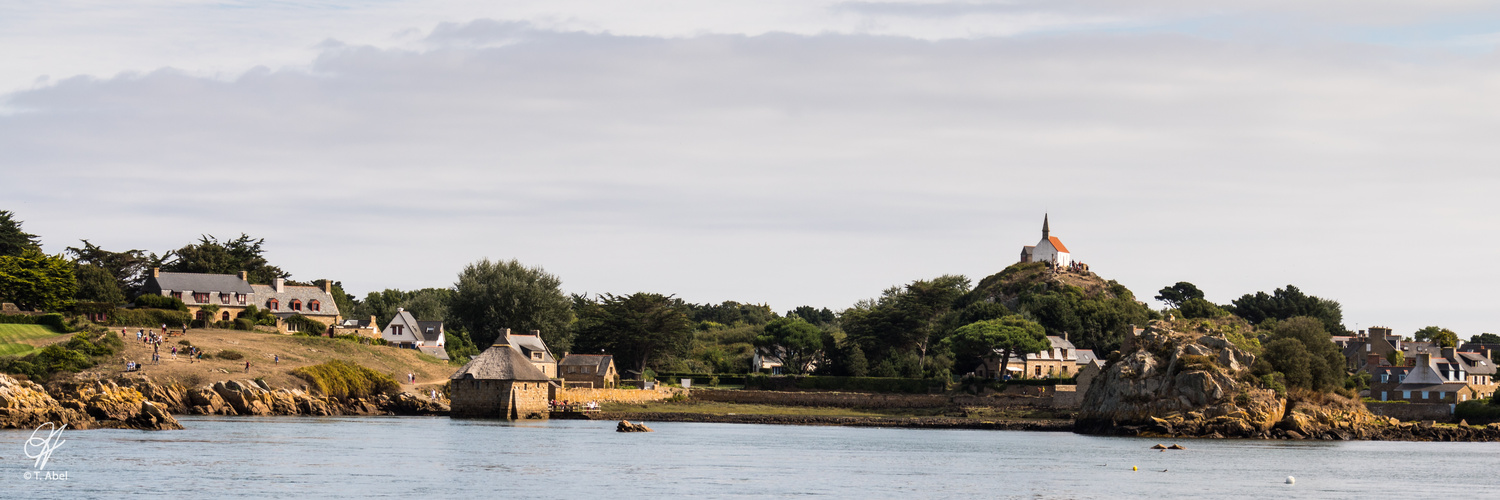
(52, 320)
(149, 317)
(346, 380)
(81, 352)
(303, 324)
(185, 342)
(153, 301)
(230, 354)
(1477, 411)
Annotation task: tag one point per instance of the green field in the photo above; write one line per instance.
(11, 337)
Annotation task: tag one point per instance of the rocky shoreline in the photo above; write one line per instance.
(140, 403)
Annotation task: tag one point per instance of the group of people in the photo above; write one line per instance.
(566, 405)
(1071, 267)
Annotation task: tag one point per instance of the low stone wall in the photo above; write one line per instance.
(1412, 411)
(615, 395)
(828, 399)
(1066, 397)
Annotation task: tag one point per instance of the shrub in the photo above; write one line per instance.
(1272, 381)
(1477, 411)
(148, 317)
(83, 351)
(345, 380)
(230, 354)
(153, 301)
(185, 342)
(304, 324)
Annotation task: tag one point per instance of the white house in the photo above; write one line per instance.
(405, 331)
(1050, 249)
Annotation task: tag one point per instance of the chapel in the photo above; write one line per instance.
(1050, 249)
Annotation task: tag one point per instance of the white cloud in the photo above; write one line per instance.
(795, 169)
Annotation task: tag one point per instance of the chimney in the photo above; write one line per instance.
(1424, 358)
(505, 334)
(399, 309)
(1373, 359)
(536, 332)
(245, 276)
(280, 285)
(328, 287)
(156, 272)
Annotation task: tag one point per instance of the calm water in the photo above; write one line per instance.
(407, 457)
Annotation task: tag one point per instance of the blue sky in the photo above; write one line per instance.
(791, 153)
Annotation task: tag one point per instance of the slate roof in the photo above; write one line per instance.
(500, 362)
(1059, 342)
(198, 282)
(1086, 355)
(1477, 363)
(434, 351)
(307, 294)
(599, 361)
(529, 344)
(429, 331)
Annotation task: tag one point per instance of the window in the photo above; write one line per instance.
(396, 330)
(296, 305)
(1385, 377)
(1382, 395)
(1405, 394)
(292, 327)
(223, 298)
(1401, 378)
(1424, 394)
(314, 306)
(536, 355)
(241, 297)
(201, 315)
(177, 295)
(226, 315)
(200, 297)
(274, 305)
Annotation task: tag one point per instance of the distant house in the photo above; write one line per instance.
(499, 383)
(595, 371)
(1060, 360)
(405, 331)
(232, 295)
(360, 327)
(534, 349)
(1049, 249)
(1449, 377)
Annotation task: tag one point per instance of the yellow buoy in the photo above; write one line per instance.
(1133, 468)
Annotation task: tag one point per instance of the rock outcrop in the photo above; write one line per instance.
(256, 398)
(1173, 383)
(79, 405)
(26, 405)
(628, 426)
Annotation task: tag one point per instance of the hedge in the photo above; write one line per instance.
(148, 317)
(52, 320)
(152, 301)
(846, 384)
(703, 378)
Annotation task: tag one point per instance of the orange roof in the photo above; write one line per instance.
(1057, 244)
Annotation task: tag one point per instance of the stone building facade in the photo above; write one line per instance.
(499, 383)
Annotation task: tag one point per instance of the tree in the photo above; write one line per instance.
(814, 315)
(344, 300)
(95, 284)
(33, 280)
(1304, 353)
(1485, 338)
(490, 296)
(638, 328)
(127, 268)
(1396, 358)
(1010, 336)
(903, 322)
(13, 241)
(211, 256)
(798, 343)
(1175, 295)
(1289, 303)
(1437, 335)
(1199, 308)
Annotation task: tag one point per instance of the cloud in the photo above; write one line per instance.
(794, 169)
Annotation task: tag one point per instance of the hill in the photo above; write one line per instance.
(1094, 313)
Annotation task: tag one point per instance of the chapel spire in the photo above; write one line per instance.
(1045, 232)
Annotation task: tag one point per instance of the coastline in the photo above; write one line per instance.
(1041, 425)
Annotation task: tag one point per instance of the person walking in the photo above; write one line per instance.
(247, 367)
(278, 359)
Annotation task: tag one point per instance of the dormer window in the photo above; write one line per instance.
(241, 297)
(296, 305)
(200, 297)
(223, 298)
(274, 305)
(536, 356)
(177, 295)
(314, 306)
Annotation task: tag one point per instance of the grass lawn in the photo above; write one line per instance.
(13, 338)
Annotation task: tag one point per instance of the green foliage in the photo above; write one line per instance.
(13, 241)
(212, 256)
(149, 318)
(1396, 358)
(33, 280)
(813, 315)
(346, 380)
(1178, 294)
(895, 330)
(344, 301)
(1304, 354)
(1196, 308)
(127, 269)
(459, 347)
(153, 301)
(846, 384)
(1096, 319)
(81, 352)
(54, 321)
(638, 328)
(1485, 338)
(730, 313)
(231, 355)
(1478, 411)
(1273, 381)
(253, 316)
(798, 343)
(1358, 382)
(1437, 335)
(96, 285)
(303, 324)
(1288, 303)
(494, 295)
(1010, 336)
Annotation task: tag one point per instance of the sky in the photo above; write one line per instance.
(781, 152)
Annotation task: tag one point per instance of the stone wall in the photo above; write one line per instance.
(480, 398)
(830, 399)
(615, 395)
(1066, 397)
(531, 399)
(1412, 411)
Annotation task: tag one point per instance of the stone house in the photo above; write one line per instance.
(404, 331)
(360, 327)
(594, 371)
(1432, 379)
(534, 349)
(499, 383)
(1060, 360)
(233, 294)
(1378, 340)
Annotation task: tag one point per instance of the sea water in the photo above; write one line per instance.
(437, 457)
